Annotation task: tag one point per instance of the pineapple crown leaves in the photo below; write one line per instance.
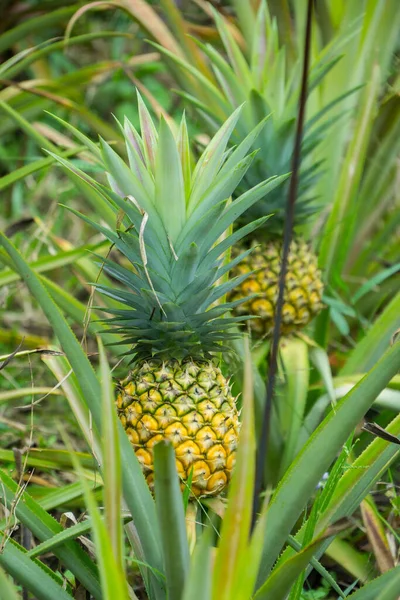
(267, 87)
(173, 221)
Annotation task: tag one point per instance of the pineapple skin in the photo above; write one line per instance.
(189, 403)
(303, 288)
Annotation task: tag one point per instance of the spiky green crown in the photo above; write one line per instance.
(267, 87)
(173, 220)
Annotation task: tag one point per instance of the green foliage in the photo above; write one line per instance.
(344, 369)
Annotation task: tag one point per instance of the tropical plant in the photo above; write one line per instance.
(172, 216)
(259, 64)
(322, 474)
(260, 79)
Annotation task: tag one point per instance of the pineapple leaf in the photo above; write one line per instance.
(217, 312)
(149, 134)
(219, 102)
(124, 297)
(226, 267)
(211, 160)
(123, 180)
(78, 134)
(220, 290)
(239, 206)
(236, 57)
(184, 269)
(121, 274)
(135, 141)
(87, 185)
(136, 159)
(170, 190)
(130, 242)
(229, 241)
(234, 92)
(185, 155)
(244, 147)
(195, 231)
(201, 284)
(220, 190)
(169, 218)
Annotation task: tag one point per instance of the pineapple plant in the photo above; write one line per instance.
(173, 221)
(261, 79)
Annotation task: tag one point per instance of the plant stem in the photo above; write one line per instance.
(287, 236)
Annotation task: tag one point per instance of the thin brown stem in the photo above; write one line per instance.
(287, 236)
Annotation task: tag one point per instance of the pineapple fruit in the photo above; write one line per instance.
(188, 402)
(172, 217)
(303, 287)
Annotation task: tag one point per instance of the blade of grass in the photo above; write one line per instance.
(357, 481)
(278, 585)
(31, 132)
(377, 535)
(350, 559)
(147, 17)
(299, 482)
(112, 576)
(136, 491)
(230, 563)
(340, 225)
(44, 526)
(63, 373)
(385, 587)
(48, 263)
(29, 26)
(41, 52)
(48, 459)
(296, 372)
(34, 167)
(293, 543)
(112, 460)
(55, 497)
(171, 518)
(8, 589)
(368, 350)
(27, 393)
(79, 361)
(31, 574)
(71, 533)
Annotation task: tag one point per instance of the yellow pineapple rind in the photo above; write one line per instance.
(189, 403)
(303, 288)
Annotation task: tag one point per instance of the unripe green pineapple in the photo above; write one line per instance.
(303, 287)
(188, 402)
(171, 216)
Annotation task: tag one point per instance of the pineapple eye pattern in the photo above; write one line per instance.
(303, 288)
(191, 405)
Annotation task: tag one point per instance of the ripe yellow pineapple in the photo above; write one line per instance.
(303, 286)
(171, 215)
(190, 403)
